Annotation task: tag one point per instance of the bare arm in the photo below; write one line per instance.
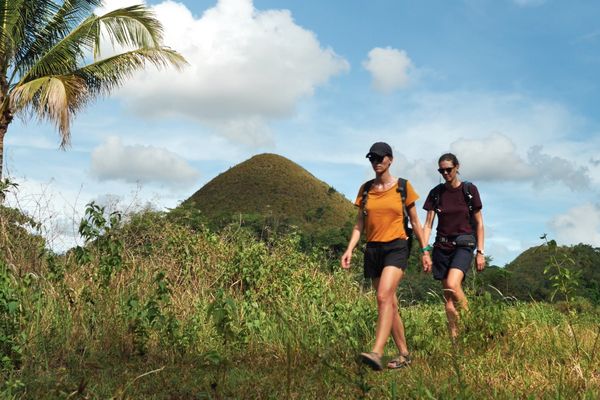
(354, 238)
(420, 233)
(428, 227)
(416, 224)
(480, 240)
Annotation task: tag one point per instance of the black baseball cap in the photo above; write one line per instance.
(380, 149)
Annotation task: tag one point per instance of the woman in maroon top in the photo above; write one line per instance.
(459, 232)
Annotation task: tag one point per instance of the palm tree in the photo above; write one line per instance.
(50, 59)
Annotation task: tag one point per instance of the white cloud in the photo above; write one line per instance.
(246, 68)
(389, 68)
(417, 171)
(551, 168)
(495, 158)
(114, 161)
(580, 224)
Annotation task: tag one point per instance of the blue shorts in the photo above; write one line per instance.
(443, 260)
(384, 254)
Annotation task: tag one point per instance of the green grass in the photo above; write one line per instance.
(196, 314)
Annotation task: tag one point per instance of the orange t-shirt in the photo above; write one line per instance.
(384, 220)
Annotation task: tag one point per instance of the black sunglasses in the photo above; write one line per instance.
(445, 170)
(375, 158)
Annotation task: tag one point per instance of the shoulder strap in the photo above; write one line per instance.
(402, 190)
(365, 195)
(437, 194)
(468, 195)
(469, 200)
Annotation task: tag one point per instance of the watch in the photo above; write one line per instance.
(480, 252)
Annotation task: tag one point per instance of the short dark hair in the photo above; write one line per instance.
(449, 157)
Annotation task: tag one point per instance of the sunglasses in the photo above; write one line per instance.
(445, 170)
(375, 159)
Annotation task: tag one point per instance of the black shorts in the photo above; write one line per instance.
(443, 260)
(384, 254)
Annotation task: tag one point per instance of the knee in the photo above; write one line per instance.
(452, 290)
(386, 298)
(450, 307)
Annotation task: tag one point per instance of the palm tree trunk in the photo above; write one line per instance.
(3, 129)
(5, 120)
(5, 117)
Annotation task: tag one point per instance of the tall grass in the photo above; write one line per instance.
(153, 309)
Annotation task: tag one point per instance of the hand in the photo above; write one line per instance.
(480, 262)
(346, 259)
(426, 260)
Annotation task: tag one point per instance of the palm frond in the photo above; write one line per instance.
(128, 27)
(66, 18)
(20, 21)
(55, 98)
(104, 75)
(134, 26)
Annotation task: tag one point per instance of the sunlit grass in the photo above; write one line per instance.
(195, 314)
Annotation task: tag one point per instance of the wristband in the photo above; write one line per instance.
(427, 248)
(480, 252)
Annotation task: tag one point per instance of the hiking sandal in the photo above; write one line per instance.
(399, 362)
(372, 359)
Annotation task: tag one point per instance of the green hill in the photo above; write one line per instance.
(526, 272)
(524, 277)
(269, 189)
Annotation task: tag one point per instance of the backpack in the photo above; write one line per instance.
(402, 190)
(437, 194)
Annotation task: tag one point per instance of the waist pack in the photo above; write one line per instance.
(465, 241)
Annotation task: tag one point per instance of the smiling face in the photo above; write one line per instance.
(448, 170)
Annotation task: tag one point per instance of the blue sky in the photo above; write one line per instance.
(510, 86)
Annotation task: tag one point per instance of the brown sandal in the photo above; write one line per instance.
(372, 359)
(399, 362)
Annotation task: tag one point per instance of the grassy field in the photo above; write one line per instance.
(152, 309)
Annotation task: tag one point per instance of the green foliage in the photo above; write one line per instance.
(6, 185)
(20, 240)
(143, 317)
(10, 321)
(99, 232)
(205, 314)
(223, 310)
(12, 335)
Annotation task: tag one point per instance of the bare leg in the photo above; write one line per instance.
(455, 299)
(397, 326)
(388, 318)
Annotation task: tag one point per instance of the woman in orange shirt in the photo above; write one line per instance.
(381, 214)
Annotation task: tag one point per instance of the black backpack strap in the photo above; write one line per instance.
(437, 195)
(468, 196)
(365, 195)
(469, 200)
(402, 183)
(402, 190)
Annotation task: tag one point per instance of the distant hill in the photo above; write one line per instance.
(524, 277)
(270, 189)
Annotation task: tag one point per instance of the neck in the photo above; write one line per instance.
(454, 183)
(384, 177)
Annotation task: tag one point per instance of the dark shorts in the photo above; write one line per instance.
(443, 260)
(384, 254)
